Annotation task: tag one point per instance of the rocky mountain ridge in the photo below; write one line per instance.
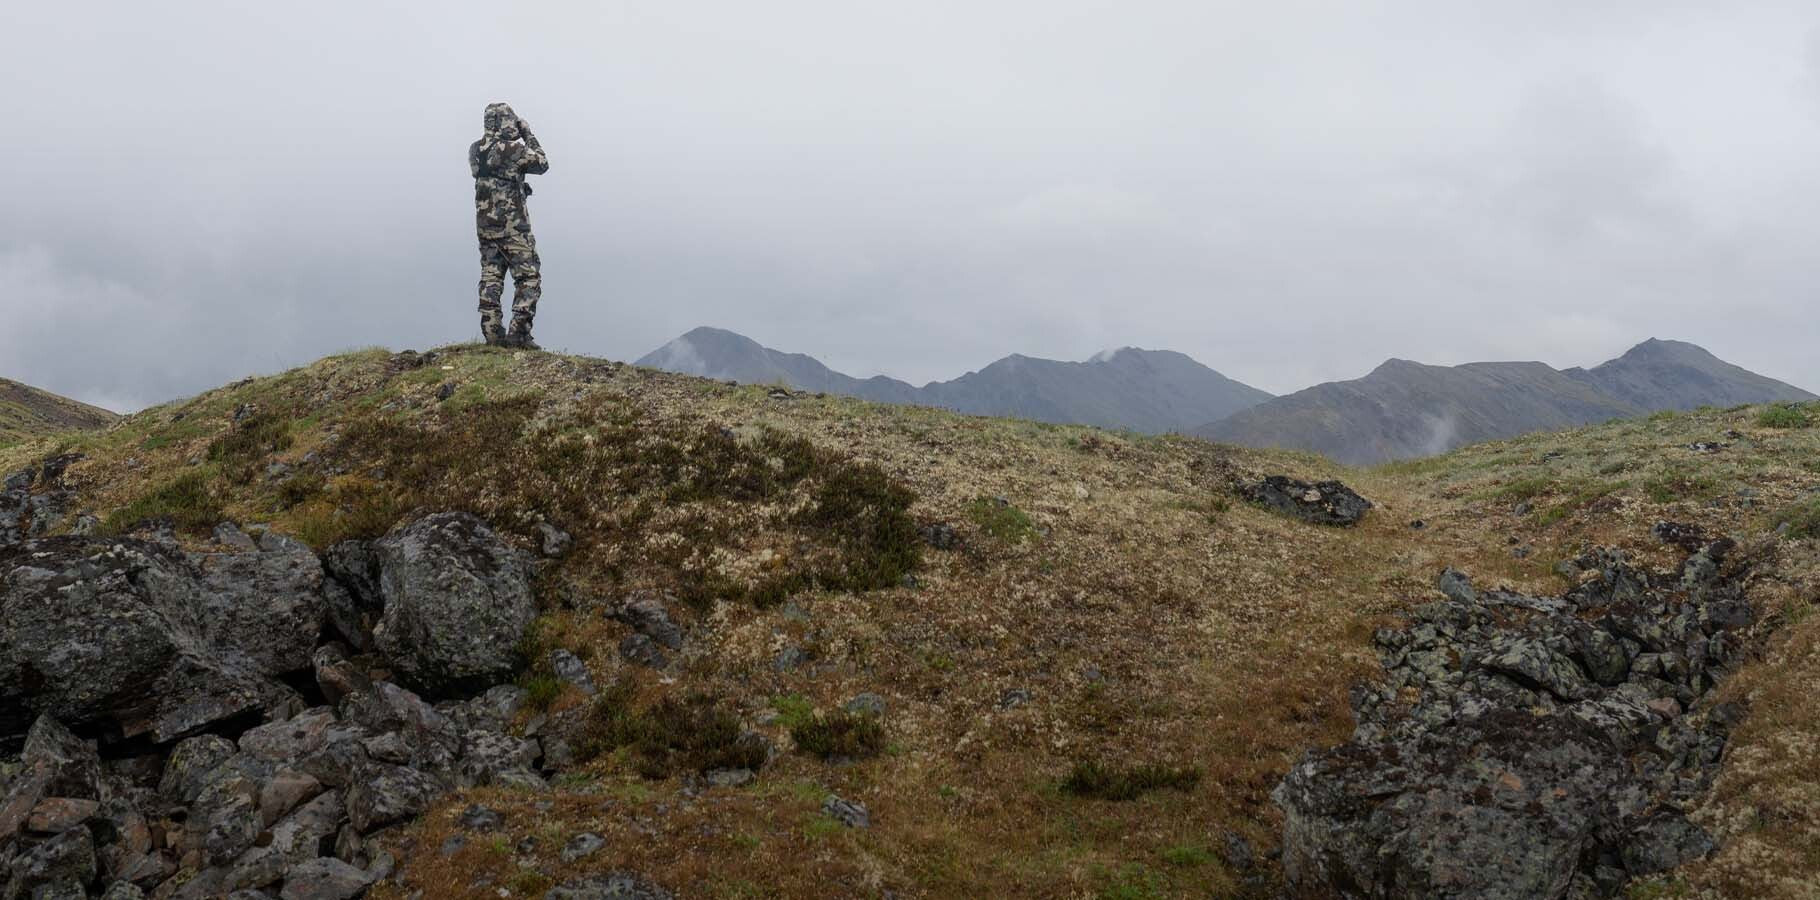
(1405, 409)
(1152, 391)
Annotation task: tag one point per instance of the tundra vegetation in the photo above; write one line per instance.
(1088, 686)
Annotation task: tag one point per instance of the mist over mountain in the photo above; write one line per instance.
(1144, 390)
(1405, 409)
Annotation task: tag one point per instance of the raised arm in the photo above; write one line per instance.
(532, 161)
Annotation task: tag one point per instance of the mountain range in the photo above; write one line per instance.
(1399, 410)
(27, 412)
(1405, 409)
(1144, 390)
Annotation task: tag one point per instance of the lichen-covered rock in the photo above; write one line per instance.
(648, 612)
(487, 756)
(73, 763)
(403, 728)
(187, 769)
(325, 878)
(457, 602)
(55, 868)
(1322, 503)
(33, 500)
(1525, 746)
(616, 886)
(390, 794)
(141, 638)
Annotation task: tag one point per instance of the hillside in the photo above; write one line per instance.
(1087, 664)
(27, 412)
(1153, 391)
(1403, 410)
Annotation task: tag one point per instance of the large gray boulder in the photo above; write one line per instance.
(133, 637)
(457, 602)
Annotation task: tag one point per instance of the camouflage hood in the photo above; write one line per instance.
(499, 119)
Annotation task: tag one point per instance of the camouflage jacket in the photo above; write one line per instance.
(499, 167)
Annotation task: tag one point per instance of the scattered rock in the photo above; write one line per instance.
(941, 536)
(1457, 586)
(640, 649)
(789, 658)
(582, 845)
(570, 669)
(481, 818)
(866, 704)
(648, 613)
(1322, 503)
(1013, 698)
(444, 391)
(1689, 538)
(556, 541)
(729, 778)
(846, 812)
(617, 886)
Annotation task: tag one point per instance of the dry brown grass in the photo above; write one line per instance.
(1150, 620)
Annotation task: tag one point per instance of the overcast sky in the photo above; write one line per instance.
(1290, 192)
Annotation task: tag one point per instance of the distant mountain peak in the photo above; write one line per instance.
(1659, 349)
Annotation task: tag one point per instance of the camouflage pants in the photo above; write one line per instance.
(517, 250)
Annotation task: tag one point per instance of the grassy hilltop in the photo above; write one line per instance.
(1086, 695)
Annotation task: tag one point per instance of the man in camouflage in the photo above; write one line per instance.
(500, 160)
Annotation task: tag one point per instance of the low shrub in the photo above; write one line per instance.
(997, 517)
(839, 734)
(1785, 415)
(1092, 778)
(670, 736)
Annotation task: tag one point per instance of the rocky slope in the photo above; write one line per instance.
(27, 412)
(1404, 409)
(475, 623)
(1153, 391)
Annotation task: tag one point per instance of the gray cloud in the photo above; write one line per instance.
(1289, 192)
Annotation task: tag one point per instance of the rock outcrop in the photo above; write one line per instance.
(221, 722)
(1322, 503)
(34, 499)
(136, 637)
(1527, 746)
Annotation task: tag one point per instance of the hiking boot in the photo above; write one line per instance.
(493, 334)
(519, 340)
